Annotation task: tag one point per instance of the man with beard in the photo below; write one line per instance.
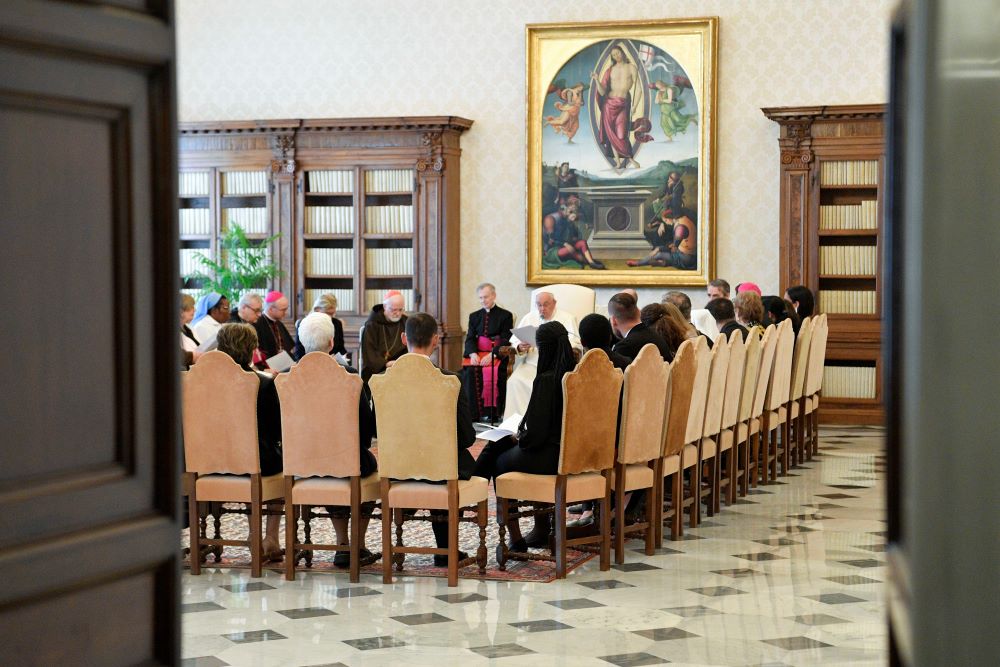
(382, 340)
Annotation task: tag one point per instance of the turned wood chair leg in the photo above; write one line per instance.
(560, 527)
(386, 534)
(605, 524)
(482, 516)
(453, 512)
(291, 530)
(619, 514)
(356, 536)
(194, 526)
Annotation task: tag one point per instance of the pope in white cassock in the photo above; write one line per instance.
(526, 364)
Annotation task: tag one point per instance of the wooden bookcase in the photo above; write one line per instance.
(832, 176)
(363, 205)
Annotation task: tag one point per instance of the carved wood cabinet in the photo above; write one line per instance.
(832, 175)
(362, 206)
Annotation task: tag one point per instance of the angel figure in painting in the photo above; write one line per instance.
(568, 122)
(672, 120)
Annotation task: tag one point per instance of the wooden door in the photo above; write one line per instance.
(88, 265)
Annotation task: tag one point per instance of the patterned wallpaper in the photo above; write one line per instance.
(257, 59)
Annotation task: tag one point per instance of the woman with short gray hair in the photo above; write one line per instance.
(325, 303)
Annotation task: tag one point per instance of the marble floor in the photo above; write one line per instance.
(791, 575)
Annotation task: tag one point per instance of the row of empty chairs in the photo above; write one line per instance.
(692, 433)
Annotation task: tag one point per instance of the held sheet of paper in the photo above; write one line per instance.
(525, 334)
(507, 427)
(279, 362)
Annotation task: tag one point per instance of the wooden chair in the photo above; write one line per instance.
(774, 421)
(321, 452)
(759, 445)
(415, 413)
(673, 462)
(695, 425)
(714, 404)
(814, 379)
(591, 394)
(730, 413)
(745, 432)
(221, 455)
(796, 399)
(639, 446)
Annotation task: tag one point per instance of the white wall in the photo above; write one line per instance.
(258, 59)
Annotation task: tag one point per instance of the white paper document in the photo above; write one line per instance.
(525, 334)
(279, 362)
(208, 345)
(507, 427)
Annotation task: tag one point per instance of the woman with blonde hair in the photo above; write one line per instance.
(749, 309)
(189, 344)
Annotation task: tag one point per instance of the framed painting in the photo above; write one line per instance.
(621, 152)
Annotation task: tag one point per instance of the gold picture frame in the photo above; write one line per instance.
(621, 136)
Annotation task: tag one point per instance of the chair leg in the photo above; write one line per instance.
(356, 537)
(677, 500)
(695, 487)
(482, 516)
(256, 514)
(731, 475)
(386, 534)
(713, 495)
(194, 525)
(606, 524)
(291, 530)
(453, 511)
(619, 514)
(653, 511)
(786, 443)
(656, 499)
(502, 520)
(560, 527)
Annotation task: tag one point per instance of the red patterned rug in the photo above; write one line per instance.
(415, 533)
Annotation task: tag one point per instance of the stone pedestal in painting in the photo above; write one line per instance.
(619, 214)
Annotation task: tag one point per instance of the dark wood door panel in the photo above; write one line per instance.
(88, 459)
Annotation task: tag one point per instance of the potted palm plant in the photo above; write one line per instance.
(244, 265)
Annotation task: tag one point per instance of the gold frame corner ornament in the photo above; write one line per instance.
(539, 36)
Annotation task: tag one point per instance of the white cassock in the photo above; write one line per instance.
(705, 323)
(206, 329)
(526, 365)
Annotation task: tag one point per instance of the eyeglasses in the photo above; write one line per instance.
(255, 310)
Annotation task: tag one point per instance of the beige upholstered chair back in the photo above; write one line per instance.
(699, 393)
(643, 405)
(591, 394)
(683, 372)
(716, 387)
(415, 407)
(751, 369)
(817, 355)
(319, 418)
(768, 344)
(781, 378)
(576, 300)
(800, 359)
(219, 405)
(734, 379)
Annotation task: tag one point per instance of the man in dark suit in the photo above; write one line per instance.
(624, 312)
(272, 335)
(724, 314)
(421, 337)
(485, 376)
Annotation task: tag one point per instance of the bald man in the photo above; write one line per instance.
(526, 364)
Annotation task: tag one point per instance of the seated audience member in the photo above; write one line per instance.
(382, 339)
(239, 341)
(316, 333)
(667, 321)
(724, 312)
(749, 309)
(210, 313)
(625, 319)
(535, 447)
(327, 304)
(521, 381)
(705, 326)
(485, 373)
(596, 334)
(777, 310)
(718, 288)
(189, 344)
(422, 337)
(271, 331)
(248, 310)
(802, 299)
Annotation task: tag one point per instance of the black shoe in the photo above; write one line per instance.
(441, 560)
(518, 546)
(577, 509)
(539, 535)
(342, 559)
